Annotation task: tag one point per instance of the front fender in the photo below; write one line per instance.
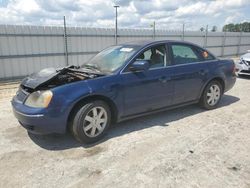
(67, 96)
(63, 99)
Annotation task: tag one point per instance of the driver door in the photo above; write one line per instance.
(151, 89)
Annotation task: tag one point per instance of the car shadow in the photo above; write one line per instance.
(66, 141)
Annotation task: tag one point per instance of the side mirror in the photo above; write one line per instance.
(139, 65)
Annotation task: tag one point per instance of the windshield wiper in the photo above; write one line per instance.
(91, 67)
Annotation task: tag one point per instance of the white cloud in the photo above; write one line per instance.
(234, 18)
(210, 7)
(25, 6)
(132, 13)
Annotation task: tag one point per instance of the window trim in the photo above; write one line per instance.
(200, 59)
(196, 48)
(165, 44)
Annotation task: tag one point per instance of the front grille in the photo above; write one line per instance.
(26, 89)
(21, 95)
(245, 71)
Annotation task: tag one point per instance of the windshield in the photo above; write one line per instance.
(110, 59)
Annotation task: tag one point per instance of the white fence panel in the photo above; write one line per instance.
(26, 49)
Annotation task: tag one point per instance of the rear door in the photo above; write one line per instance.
(190, 72)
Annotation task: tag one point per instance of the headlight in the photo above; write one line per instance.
(241, 61)
(39, 99)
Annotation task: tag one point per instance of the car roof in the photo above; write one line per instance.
(152, 42)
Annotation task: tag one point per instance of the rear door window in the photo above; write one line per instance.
(183, 54)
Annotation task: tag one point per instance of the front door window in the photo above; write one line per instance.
(156, 56)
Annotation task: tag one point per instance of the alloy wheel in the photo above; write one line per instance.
(95, 121)
(213, 95)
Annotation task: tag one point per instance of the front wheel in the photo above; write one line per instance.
(91, 121)
(211, 95)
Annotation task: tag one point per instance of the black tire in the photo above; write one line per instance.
(205, 98)
(78, 122)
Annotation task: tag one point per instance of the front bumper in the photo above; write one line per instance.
(38, 121)
(242, 69)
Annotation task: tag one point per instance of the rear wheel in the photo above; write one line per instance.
(91, 121)
(211, 95)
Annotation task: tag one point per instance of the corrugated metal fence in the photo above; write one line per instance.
(26, 49)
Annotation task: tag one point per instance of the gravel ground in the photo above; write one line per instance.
(185, 147)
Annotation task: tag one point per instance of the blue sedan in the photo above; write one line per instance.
(119, 83)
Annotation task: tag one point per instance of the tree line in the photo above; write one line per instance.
(239, 27)
(244, 27)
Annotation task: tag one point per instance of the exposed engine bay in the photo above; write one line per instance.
(51, 77)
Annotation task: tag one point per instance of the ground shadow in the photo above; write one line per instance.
(66, 141)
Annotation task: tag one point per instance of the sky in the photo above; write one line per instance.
(167, 14)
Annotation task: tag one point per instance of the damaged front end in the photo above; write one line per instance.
(40, 108)
(37, 85)
(51, 77)
(243, 66)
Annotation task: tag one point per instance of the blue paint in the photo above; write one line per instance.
(131, 93)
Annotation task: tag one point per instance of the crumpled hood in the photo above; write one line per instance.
(38, 78)
(246, 57)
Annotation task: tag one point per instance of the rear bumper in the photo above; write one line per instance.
(37, 122)
(229, 83)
